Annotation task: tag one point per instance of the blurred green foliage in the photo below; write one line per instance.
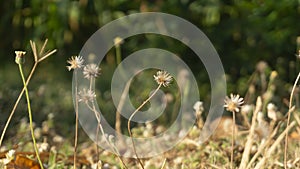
(243, 32)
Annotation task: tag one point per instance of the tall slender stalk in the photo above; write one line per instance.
(17, 103)
(76, 121)
(130, 118)
(118, 115)
(232, 139)
(30, 116)
(288, 121)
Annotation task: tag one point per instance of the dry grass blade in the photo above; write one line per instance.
(250, 138)
(34, 51)
(47, 55)
(43, 47)
(164, 164)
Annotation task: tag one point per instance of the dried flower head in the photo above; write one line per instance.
(198, 107)
(86, 95)
(20, 53)
(233, 103)
(43, 147)
(163, 77)
(20, 59)
(271, 111)
(118, 41)
(91, 71)
(75, 62)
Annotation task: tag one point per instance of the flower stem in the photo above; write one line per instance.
(17, 103)
(129, 120)
(30, 116)
(232, 139)
(76, 121)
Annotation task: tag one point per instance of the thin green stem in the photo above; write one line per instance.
(118, 115)
(118, 54)
(30, 116)
(129, 120)
(17, 103)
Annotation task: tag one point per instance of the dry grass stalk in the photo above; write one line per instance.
(250, 138)
(288, 121)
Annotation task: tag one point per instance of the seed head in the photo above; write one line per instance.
(75, 62)
(91, 71)
(163, 77)
(118, 41)
(86, 95)
(233, 103)
(271, 111)
(198, 107)
(20, 59)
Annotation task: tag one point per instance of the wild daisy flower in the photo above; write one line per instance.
(233, 103)
(86, 95)
(163, 77)
(75, 62)
(20, 57)
(91, 70)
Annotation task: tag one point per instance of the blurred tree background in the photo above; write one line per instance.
(243, 32)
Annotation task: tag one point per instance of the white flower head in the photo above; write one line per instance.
(91, 71)
(75, 62)
(86, 95)
(20, 57)
(43, 147)
(118, 41)
(20, 53)
(163, 78)
(271, 111)
(233, 103)
(198, 107)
